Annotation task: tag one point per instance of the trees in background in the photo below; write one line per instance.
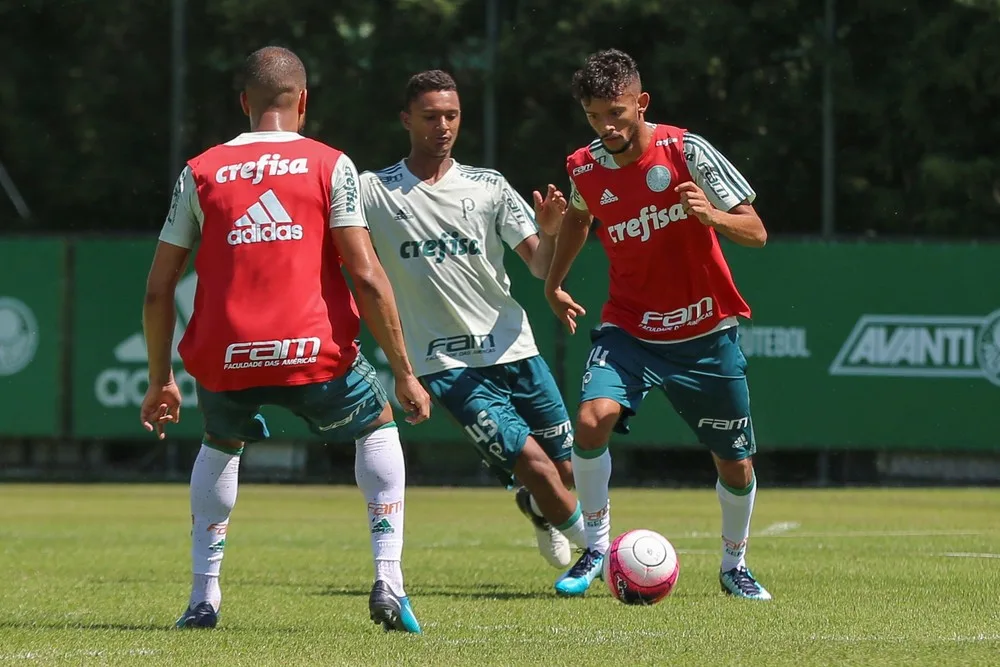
(85, 127)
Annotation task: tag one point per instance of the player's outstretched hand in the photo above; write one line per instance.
(414, 399)
(565, 308)
(693, 200)
(549, 211)
(161, 406)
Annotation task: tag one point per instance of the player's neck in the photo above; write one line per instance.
(275, 121)
(643, 138)
(428, 168)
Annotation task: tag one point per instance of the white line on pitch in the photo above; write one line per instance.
(963, 554)
(857, 533)
(780, 527)
(858, 639)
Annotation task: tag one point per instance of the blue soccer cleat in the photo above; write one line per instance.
(740, 583)
(202, 615)
(391, 611)
(576, 582)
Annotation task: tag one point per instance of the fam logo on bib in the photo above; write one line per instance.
(18, 336)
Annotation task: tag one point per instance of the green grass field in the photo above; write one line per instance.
(97, 575)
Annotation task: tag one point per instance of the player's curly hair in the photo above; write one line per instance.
(432, 80)
(604, 76)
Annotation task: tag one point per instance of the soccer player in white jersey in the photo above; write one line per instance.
(439, 228)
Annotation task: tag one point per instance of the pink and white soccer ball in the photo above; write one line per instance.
(641, 567)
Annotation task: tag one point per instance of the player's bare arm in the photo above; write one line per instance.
(741, 224)
(572, 235)
(537, 250)
(162, 403)
(377, 304)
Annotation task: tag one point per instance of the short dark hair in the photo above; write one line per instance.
(431, 80)
(271, 75)
(604, 76)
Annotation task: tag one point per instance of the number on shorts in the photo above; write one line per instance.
(484, 430)
(598, 356)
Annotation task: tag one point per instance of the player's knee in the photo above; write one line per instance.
(384, 417)
(534, 467)
(231, 445)
(735, 474)
(595, 421)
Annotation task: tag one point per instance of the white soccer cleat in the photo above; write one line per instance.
(552, 544)
(554, 547)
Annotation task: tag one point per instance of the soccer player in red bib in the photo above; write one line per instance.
(275, 215)
(662, 195)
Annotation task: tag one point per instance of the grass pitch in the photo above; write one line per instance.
(98, 574)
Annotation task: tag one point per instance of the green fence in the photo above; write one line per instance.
(888, 346)
(851, 345)
(110, 370)
(32, 287)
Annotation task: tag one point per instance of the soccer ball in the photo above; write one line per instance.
(641, 567)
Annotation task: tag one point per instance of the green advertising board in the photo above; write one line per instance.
(887, 346)
(32, 277)
(110, 371)
(851, 346)
(110, 368)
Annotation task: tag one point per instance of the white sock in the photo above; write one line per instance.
(592, 476)
(534, 507)
(573, 529)
(736, 510)
(381, 475)
(214, 481)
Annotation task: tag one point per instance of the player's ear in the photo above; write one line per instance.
(302, 102)
(404, 118)
(642, 102)
(243, 103)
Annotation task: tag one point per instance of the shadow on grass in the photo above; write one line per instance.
(69, 624)
(473, 592)
(495, 592)
(30, 624)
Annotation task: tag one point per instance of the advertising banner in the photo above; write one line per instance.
(887, 345)
(32, 277)
(109, 352)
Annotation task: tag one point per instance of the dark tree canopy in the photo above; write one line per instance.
(85, 131)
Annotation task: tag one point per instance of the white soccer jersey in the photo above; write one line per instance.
(442, 248)
(723, 184)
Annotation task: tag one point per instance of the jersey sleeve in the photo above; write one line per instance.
(723, 184)
(575, 198)
(515, 219)
(345, 208)
(184, 219)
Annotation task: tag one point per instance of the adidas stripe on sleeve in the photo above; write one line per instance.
(515, 219)
(345, 209)
(575, 198)
(184, 219)
(723, 184)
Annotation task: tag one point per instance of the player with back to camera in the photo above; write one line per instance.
(275, 215)
(440, 228)
(662, 194)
